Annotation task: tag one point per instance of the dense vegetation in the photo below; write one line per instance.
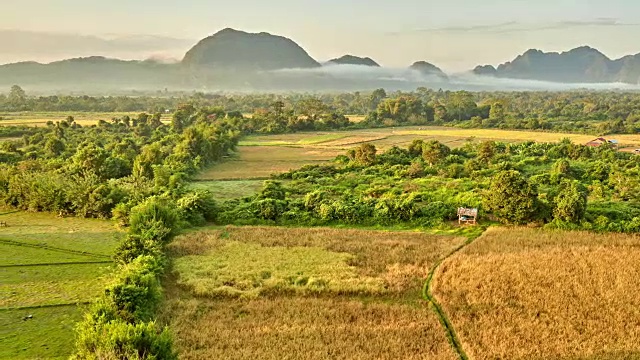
(563, 185)
(574, 111)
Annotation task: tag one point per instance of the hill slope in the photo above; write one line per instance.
(354, 60)
(428, 69)
(231, 49)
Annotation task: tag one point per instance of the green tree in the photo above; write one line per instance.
(366, 154)
(571, 202)
(434, 151)
(511, 198)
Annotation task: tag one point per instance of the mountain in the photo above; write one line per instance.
(428, 69)
(580, 65)
(46, 46)
(231, 49)
(353, 60)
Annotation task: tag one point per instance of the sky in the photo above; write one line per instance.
(456, 35)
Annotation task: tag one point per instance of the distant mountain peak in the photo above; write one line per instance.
(426, 68)
(354, 60)
(582, 64)
(235, 49)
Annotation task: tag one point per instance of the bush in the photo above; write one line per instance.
(121, 340)
(153, 219)
(198, 207)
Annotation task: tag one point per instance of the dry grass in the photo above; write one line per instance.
(259, 162)
(305, 328)
(534, 294)
(401, 260)
(262, 155)
(385, 318)
(39, 119)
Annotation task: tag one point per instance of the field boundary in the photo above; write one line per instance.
(442, 316)
(77, 303)
(52, 248)
(58, 264)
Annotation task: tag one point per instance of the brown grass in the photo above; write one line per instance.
(394, 324)
(305, 328)
(533, 294)
(401, 259)
(262, 161)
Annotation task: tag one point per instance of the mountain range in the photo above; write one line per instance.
(237, 60)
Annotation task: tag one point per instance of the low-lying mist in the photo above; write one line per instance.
(407, 79)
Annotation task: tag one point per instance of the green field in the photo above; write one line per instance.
(51, 266)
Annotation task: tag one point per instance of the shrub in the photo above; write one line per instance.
(153, 219)
(121, 340)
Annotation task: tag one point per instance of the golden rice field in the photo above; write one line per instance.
(287, 293)
(39, 119)
(519, 293)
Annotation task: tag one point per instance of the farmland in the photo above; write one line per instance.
(544, 295)
(259, 156)
(305, 293)
(39, 119)
(49, 268)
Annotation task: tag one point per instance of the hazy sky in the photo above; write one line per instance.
(453, 34)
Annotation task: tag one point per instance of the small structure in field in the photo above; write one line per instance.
(601, 141)
(467, 216)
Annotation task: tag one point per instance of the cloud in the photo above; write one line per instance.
(514, 26)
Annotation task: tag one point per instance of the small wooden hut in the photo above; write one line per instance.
(467, 216)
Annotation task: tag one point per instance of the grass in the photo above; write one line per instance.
(305, 293)
(39, 119)
(228, 189)
(51, 285)
(49, 265)
(259, 162)
(305, 328)
(47, 335)
(260, 156)
(89, 235)
(544, 294)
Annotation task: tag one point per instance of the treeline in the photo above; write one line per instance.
(596, 112)
(561, 185)
(121, 323)
(103, 171)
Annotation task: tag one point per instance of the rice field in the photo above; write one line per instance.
(288, 293)
(39, 119)
(50, 267)
(260, 156)
(519, 293)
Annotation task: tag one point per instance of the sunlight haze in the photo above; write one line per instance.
(455, 35)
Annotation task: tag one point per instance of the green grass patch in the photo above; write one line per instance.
(88, 235)
(49, 334)
(243, 269)
(51, 285)
(321, 138)
(228, 189)
(23, 255)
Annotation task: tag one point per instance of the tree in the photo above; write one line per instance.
(511, 198)
(366, 154)
(486, 151)
(571, 202)
(434, 152)
(17, 97)
(497, 112)
(461, 105)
